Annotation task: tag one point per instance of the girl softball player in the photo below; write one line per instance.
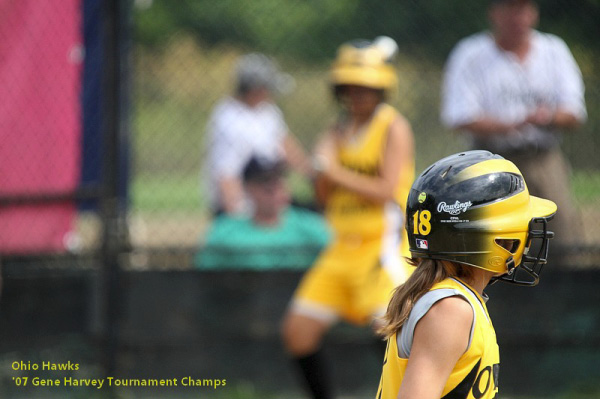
(470, 221)
(366, 161)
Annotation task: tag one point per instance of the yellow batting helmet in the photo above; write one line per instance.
(366, 63)
(474, 208)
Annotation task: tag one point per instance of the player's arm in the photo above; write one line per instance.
(296, 155)
(440, 338)
(398, 151)
(324, 155)
(232, 195)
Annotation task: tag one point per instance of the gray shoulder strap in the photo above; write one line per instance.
(405, 338)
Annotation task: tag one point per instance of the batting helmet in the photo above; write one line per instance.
(366, 63)
(474, 208)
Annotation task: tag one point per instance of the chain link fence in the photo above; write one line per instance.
(179, 63)
(184, 56)
(103, 140)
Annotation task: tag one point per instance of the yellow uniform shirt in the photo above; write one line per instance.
(355, 276)
(475, 375)
(353, 214)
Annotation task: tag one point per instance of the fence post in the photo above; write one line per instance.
(115, 240)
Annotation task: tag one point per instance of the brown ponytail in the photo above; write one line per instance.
(427, 273)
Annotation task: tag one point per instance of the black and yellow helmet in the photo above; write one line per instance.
(474, 208)
(366, 63)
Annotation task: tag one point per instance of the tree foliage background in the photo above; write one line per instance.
(314, 28)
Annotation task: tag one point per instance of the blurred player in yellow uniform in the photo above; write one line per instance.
(365, 164)
(470, 221)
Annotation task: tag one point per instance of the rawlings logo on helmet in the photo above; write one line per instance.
(454, 209)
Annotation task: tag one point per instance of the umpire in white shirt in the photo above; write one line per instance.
(514, 90)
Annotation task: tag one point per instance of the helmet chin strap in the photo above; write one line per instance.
(510, 264)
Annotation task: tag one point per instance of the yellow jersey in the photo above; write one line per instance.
(475, 375)
(353, 214)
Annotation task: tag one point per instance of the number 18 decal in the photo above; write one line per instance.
(422, 222)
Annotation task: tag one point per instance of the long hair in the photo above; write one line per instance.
(428, 272)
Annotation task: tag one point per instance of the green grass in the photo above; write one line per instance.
(158, 193)
(165, 193)
(586, 186)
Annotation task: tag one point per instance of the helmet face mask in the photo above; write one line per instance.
(474, 208)
(528, 273)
